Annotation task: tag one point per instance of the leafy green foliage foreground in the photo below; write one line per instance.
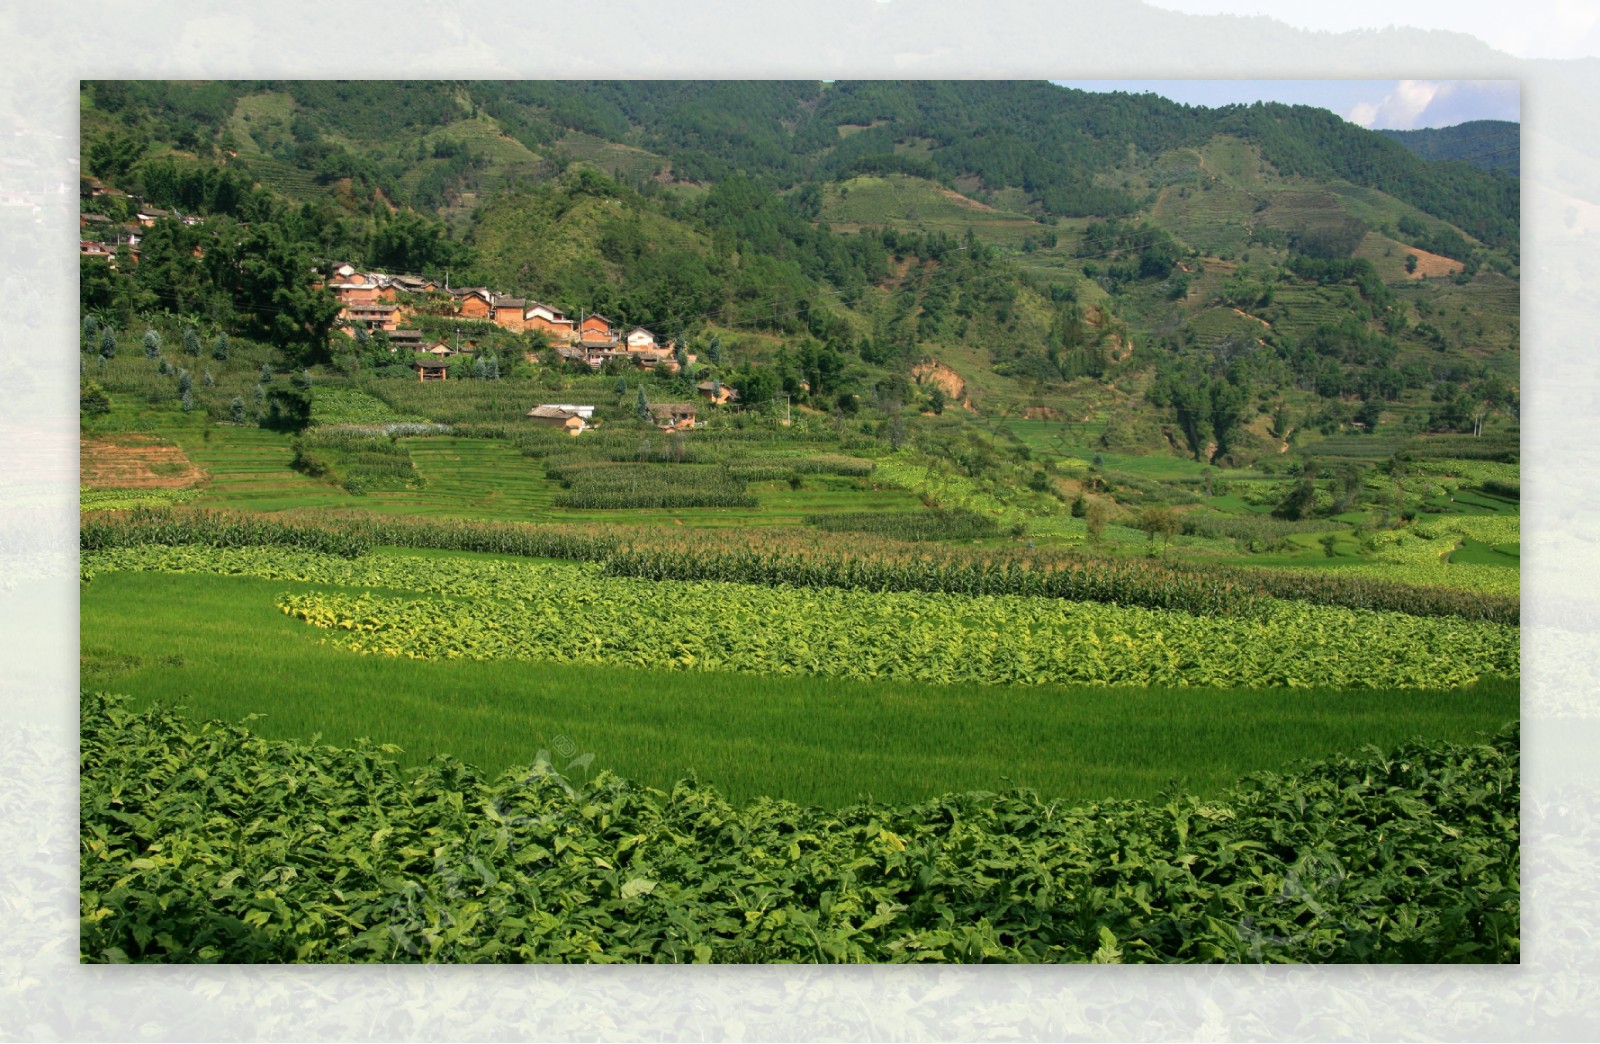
(202, 843)
(571, 612)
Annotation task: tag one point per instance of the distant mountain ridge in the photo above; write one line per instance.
(1492, 145)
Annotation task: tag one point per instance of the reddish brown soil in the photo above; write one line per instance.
(135, 462)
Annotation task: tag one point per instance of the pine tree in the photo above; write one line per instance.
(642, 406)
(236, 410)
(188, 400)
(191, 341)
(152, 344)
(108, 343)
(265, 376)
(219, 349)
(208, 380)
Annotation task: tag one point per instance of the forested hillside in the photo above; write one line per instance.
(1492, 145)
(1210, 283)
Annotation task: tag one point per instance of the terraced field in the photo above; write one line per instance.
(903, 202)
(1207, 217)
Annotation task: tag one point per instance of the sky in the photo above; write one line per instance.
(1378, 104)
(1531, 29)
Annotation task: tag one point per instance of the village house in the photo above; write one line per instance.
(379, 315)
(597, 327)
(508, 313)
(405, 341)
(640, 340)
(573, 419)
(717, 393)
(475, 302)
(550, 321)
(673, 416)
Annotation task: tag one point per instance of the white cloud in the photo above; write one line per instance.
(1438, 103)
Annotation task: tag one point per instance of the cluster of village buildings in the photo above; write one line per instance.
(373, 301)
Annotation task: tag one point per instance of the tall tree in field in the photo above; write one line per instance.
(277, 289)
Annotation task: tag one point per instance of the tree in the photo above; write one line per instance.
(288, 409)
(236, 410)
(1160, 521)
(1411, 263)
(1298, 504)
(219, 349)
(152, 344)
(265, 376)
(276, 288)
(641, 408)
(622, 386)
(191, 341)
(108, 343)
(188, 400)
(1094, 522)
(93, 400)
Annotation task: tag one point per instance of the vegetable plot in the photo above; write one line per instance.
(572, 613)
(204, 843)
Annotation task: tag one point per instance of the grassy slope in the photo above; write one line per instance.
(218, 644)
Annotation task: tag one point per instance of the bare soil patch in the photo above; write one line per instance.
(1433, 265)
(135, 462)
(966, 201)
(931, 371)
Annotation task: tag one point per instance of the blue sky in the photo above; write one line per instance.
(1379, 104)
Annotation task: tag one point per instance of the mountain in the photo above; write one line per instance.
(1207, 279)
(1491, 145)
